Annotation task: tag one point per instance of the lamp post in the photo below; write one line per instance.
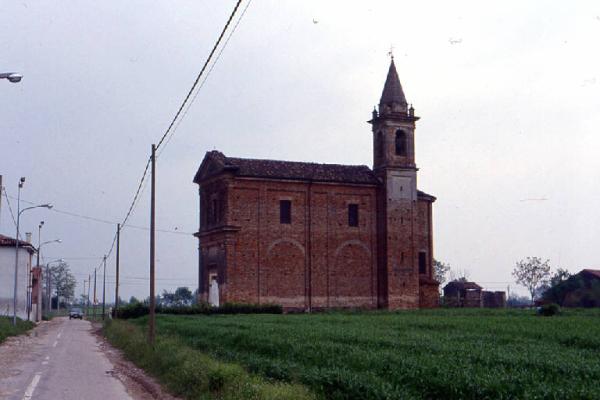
(37, 264)
(19, 212)
(29, 297)
(13, 77)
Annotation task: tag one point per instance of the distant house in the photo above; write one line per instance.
(7, 275)
(462, 294)
(580, 290)
(470, 294)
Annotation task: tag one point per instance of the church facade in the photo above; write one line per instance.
(314, 236)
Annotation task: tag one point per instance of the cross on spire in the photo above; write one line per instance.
(391, 52)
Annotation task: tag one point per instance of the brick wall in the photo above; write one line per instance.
(302, 265)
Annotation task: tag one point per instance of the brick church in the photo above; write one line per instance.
(312, 236)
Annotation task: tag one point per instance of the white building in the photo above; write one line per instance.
(7, 275)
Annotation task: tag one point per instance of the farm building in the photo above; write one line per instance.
(470, 294)
(315, 236)
(579, 290)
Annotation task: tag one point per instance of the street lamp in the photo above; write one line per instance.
(13, 77)
(19, 212)
(39, 249)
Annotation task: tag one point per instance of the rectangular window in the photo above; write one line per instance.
(422, 262)
(285, 212)
(352, 214)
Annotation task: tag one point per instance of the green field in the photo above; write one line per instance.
(449, 354)
(7, 329)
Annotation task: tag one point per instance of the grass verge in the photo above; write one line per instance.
(191, 374)
(7, 329)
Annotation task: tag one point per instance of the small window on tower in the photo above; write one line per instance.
(422, 262)
(285, 212)
(401, 143)
(215, 210)
(380, 145)
(352, 214)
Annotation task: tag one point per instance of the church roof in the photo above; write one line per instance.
(292, 170)
(392, 90)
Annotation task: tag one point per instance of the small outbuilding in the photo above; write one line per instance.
(470, 294)
(462, 294)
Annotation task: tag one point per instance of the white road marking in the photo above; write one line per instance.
(55, 343)
(47, 358)
(32, 386)
(58, 336)
(44, 362)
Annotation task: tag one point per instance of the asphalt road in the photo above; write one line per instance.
(61, 359)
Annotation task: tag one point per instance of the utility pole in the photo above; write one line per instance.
(117, 267)
(104, 289)
(87, 311)
(21, 181)
(151, 319)
(83, 294)
(94, 300)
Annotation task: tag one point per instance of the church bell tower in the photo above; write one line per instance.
(393, 128)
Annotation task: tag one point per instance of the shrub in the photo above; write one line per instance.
(7, 329)
(136, 310)
(548, 310)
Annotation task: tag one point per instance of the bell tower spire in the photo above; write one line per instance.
(392, 98)
(393, 127)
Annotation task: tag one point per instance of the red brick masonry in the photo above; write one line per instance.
(318, 260)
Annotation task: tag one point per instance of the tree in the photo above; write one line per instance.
(133, 300)
(531, 273)
(440, 270)
(459, 275)
(559, 276)
(63, 282)
(182, 296)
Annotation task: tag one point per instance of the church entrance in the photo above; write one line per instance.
(213, 289)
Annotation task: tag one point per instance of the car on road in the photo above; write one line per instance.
(75, 313)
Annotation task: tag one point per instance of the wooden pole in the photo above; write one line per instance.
(87, 311)
(151, 319)
(94, 299)
(104, 290)
(117, 268)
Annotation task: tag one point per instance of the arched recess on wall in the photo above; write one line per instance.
(282, 275)
(351, 281)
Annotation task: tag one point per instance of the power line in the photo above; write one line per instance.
(187, 97)
(207, 74)
(200, 74)
(10, 208)
(137, 193)
(104, 221)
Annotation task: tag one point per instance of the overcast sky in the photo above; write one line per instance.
(508, 94)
